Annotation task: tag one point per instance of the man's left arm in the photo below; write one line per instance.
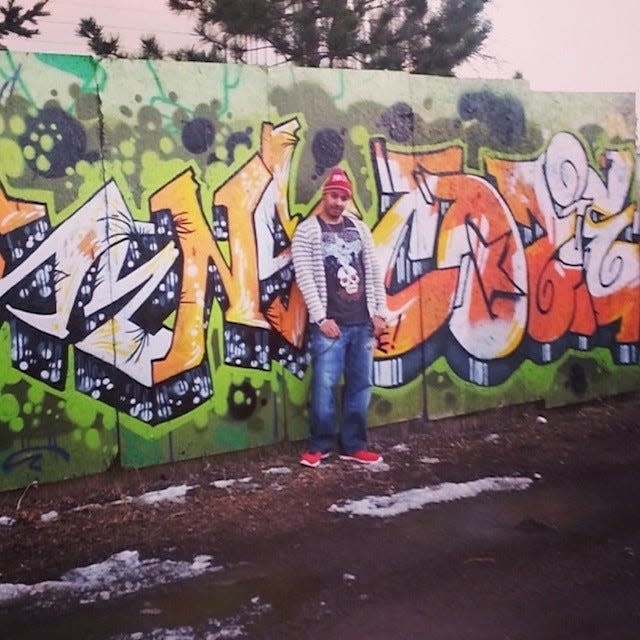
(381, 313)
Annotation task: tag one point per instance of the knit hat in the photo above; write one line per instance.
(338, 179)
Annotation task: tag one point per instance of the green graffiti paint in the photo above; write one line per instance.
(17, 125)
(46, 142)
(228, 85)
(9, 407)
(13, 160)
(167, 145)
(83, 67)
(201, 420)
(36, 394)
(129, 168)
(127, 148)
(109, 420)
(92, 439)
(81, 411)
(29, 153)
(43, 164)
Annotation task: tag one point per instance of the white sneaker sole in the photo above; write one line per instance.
(311, 465)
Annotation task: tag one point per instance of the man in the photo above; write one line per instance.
(342, 285)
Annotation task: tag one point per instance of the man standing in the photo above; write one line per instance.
(342, 285)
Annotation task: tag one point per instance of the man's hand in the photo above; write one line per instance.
(330, 328)
(379, 326)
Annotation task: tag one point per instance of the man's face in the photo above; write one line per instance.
(334, 201)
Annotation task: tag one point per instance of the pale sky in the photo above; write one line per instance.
(584, 45)
(558, 45)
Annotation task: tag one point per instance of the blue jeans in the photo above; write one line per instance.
(350, 355)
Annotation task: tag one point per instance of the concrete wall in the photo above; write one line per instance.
(148, 308)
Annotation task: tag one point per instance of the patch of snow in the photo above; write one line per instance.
(170, 494)
(348, 577)
(493, 438)
(225, 484)
(119, 575)
(277, 471)
(202, 563)
(50, 516)
(537, 476)
(212, 629)
(6, 521)
(393, 505)
(428, 460)
(541, 420)
(376, 467)
(401, 448)
(92, 506)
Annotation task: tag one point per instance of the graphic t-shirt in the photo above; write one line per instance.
(344, 272)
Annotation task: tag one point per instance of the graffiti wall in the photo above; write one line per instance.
(149, 308)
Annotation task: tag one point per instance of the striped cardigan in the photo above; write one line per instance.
(306, 248)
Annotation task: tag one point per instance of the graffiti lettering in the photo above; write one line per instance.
(532, 258)
(32, 457)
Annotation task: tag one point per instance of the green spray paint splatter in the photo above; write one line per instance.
(16, 425)
(81, 411)
(12, 158)
(92, 439)
(109, 420)
(35, 395)
(9, 407)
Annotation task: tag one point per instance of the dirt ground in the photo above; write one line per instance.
(249, 517)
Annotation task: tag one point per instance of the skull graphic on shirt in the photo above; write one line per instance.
(348, 278)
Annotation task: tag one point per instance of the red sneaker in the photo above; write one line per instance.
(363, 456)
(312, 458)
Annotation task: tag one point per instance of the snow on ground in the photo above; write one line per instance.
(50, 516)
(7, 521)
(401, 448)
(121, 574)
(393, 505)
(277, 471)
(212, 629)
(170, 494)
(376, 467)
(225, 484)
(152, 498)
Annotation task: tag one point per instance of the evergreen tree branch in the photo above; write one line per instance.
(376, 34)
(14, 18)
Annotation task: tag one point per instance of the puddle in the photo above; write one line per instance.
(348, 567)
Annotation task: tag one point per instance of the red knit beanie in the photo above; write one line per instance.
(338, 179)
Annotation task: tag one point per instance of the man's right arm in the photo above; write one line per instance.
(302, 251)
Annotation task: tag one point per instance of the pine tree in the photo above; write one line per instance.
(373, 34)
(100, 45)
(14, 19)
